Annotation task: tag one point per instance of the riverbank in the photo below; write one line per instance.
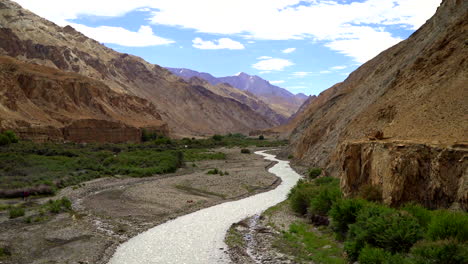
(109, 211)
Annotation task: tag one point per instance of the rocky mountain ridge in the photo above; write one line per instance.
(187, 109)
(279, 99)
(399, 121)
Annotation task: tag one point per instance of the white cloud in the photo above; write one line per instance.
(272, 64)
(288, 50)
(277, 82)
(356, 29)
(264, 58)
(341, 67)
(117, 35)
(300, 74)
(222, 43)
(325, 72)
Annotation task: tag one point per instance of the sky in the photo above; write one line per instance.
(304, 46)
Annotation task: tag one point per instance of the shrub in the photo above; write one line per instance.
(15, 212)
(301, 195)
(4, 140)
(11, 136)
(371, 193)
(344, 213)
(261, 137)
(217, 137)
(148, 135)
(314, 172)
(290, 156)
(213, 171)
(327, 181)
(382, 227)
(440, 252)
(370, 255)
(422, 214)
(446, 224)
(322, 202)
(58, 206)
(245, 151)
(4, 252)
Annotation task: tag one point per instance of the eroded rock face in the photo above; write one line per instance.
(414, 91)
(435, 176)
(91, 130)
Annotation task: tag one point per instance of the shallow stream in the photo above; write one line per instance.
(198, 238)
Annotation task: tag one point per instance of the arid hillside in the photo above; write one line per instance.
(40, 102)
(187, 109)
(399, 122)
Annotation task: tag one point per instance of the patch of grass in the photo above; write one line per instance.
(306, 244)
(4, 252)
(442, 251)
(15, 212)
(199, 192)
(234, 238)
(58, 206)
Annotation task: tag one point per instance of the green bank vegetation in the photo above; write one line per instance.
(42, 168)
(370, 231)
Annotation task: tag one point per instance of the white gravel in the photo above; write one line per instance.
(198, 238)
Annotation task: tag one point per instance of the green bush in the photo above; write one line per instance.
(11, 136)
(301, 195)
(322, 202)
(422, 214)
(327, 181)
(15, 212)
(370, 255)
(58, 206)
(290, 156)
(314, 172)
(446, 224)
(213, 171)
(4, 140)
(344, 213)
(440, 252)
(148, 135)
(245, 151)
(217, 137)
(4, 252)
(383, 227)
(261, 137)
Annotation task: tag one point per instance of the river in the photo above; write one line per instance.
(198, 238)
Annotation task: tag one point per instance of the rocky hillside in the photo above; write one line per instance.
(280, 100)
(187, 109)
(398, 123)
(42, 103)
(244, 97)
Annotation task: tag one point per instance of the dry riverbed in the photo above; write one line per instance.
(109, 211)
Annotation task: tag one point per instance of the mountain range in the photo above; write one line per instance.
(180, 108)
(279, 99)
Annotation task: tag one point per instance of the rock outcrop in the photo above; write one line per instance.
(187, 109)
(38, 102)
(413, 92)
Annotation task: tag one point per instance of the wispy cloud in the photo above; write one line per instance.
(272, 64)
(341, 67)
(264, 58)
(277, 82)
(300, 74)
(288, 50)
(222, 43)
(144, 37)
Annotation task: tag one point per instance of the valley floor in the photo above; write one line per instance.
(109, 211)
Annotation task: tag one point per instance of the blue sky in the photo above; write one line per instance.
(303, 46)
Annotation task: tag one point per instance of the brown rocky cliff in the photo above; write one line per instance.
(414, 92)
(187, 111)
(38, 101)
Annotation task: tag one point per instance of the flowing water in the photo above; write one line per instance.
(198, 238)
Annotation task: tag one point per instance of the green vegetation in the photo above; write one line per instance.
(261, 137)
(234, 238)
(308, 245)
(245, 151)
(217, 171)
(4, 252)
(314, 172)
(15, 212)
(58, 206)
(7, 137)
(373, 232)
